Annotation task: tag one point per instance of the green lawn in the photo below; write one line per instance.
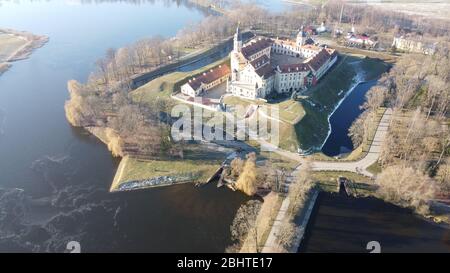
(278, 161)
(164, 86)
(291, 111)
(305, 122)
(135, 169)
(375, 168)
(233, 100)
(313, 128)
(373, 68)
(360, 151)
(327, 181)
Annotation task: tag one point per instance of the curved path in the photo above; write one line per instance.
(371, 157)
(360, 166)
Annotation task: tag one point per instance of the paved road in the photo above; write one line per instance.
(372, 156)
(271, 245)
(360, 166)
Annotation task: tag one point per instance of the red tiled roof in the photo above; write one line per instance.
(261, 61)
(262, 66)
(362, 36)
(290, 68)
(265, 71)
(210, 76)
(319, 59)
(256, 46)
(311, 47)
(332, 52)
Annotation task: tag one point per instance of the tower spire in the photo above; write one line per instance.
(301, 37)
(237, 39)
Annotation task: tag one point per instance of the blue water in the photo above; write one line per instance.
(341, 224)
(54, 178)
(273, 5)
(338, 141)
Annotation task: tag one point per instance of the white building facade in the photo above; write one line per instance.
(254, 76)
(201, 84)
(414, 45)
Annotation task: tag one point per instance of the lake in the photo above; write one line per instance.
(54, 178)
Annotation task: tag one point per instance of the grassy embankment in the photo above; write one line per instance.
(290, 112)
(15, 45)
(304, 123)
(161, 89)
(197, 162)
(264, 222)
(164, 86)
(360, 151)
(327, 181)
(313, 128)
(9, 44)
(132, 169)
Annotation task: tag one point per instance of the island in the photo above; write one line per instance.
(17, 45)
(164, 106)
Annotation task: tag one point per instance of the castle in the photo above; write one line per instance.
(267, 66)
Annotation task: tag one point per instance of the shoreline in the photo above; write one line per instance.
(208, 6)
(347, 94)
(352, 88)
(117, 185)
(308, 209)
(32, 42)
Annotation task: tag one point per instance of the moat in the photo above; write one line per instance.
(347, 224)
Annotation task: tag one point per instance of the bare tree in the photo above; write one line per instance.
(443, 176)
(406, 187)
(237, 166)
(247, 181)
(287, 234)
(300, 187)
(244, 224)
(359, 129)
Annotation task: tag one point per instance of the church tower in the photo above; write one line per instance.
(237, 40)
(301, 37)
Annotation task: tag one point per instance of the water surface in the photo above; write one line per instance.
(338, 141)
(347, 224)
(54, 178)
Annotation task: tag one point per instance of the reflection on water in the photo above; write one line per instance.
(2, 121)
(347, 224)
(279, 5)
(54, 178)
(339, 142)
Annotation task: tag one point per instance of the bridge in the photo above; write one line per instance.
(360, 166)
